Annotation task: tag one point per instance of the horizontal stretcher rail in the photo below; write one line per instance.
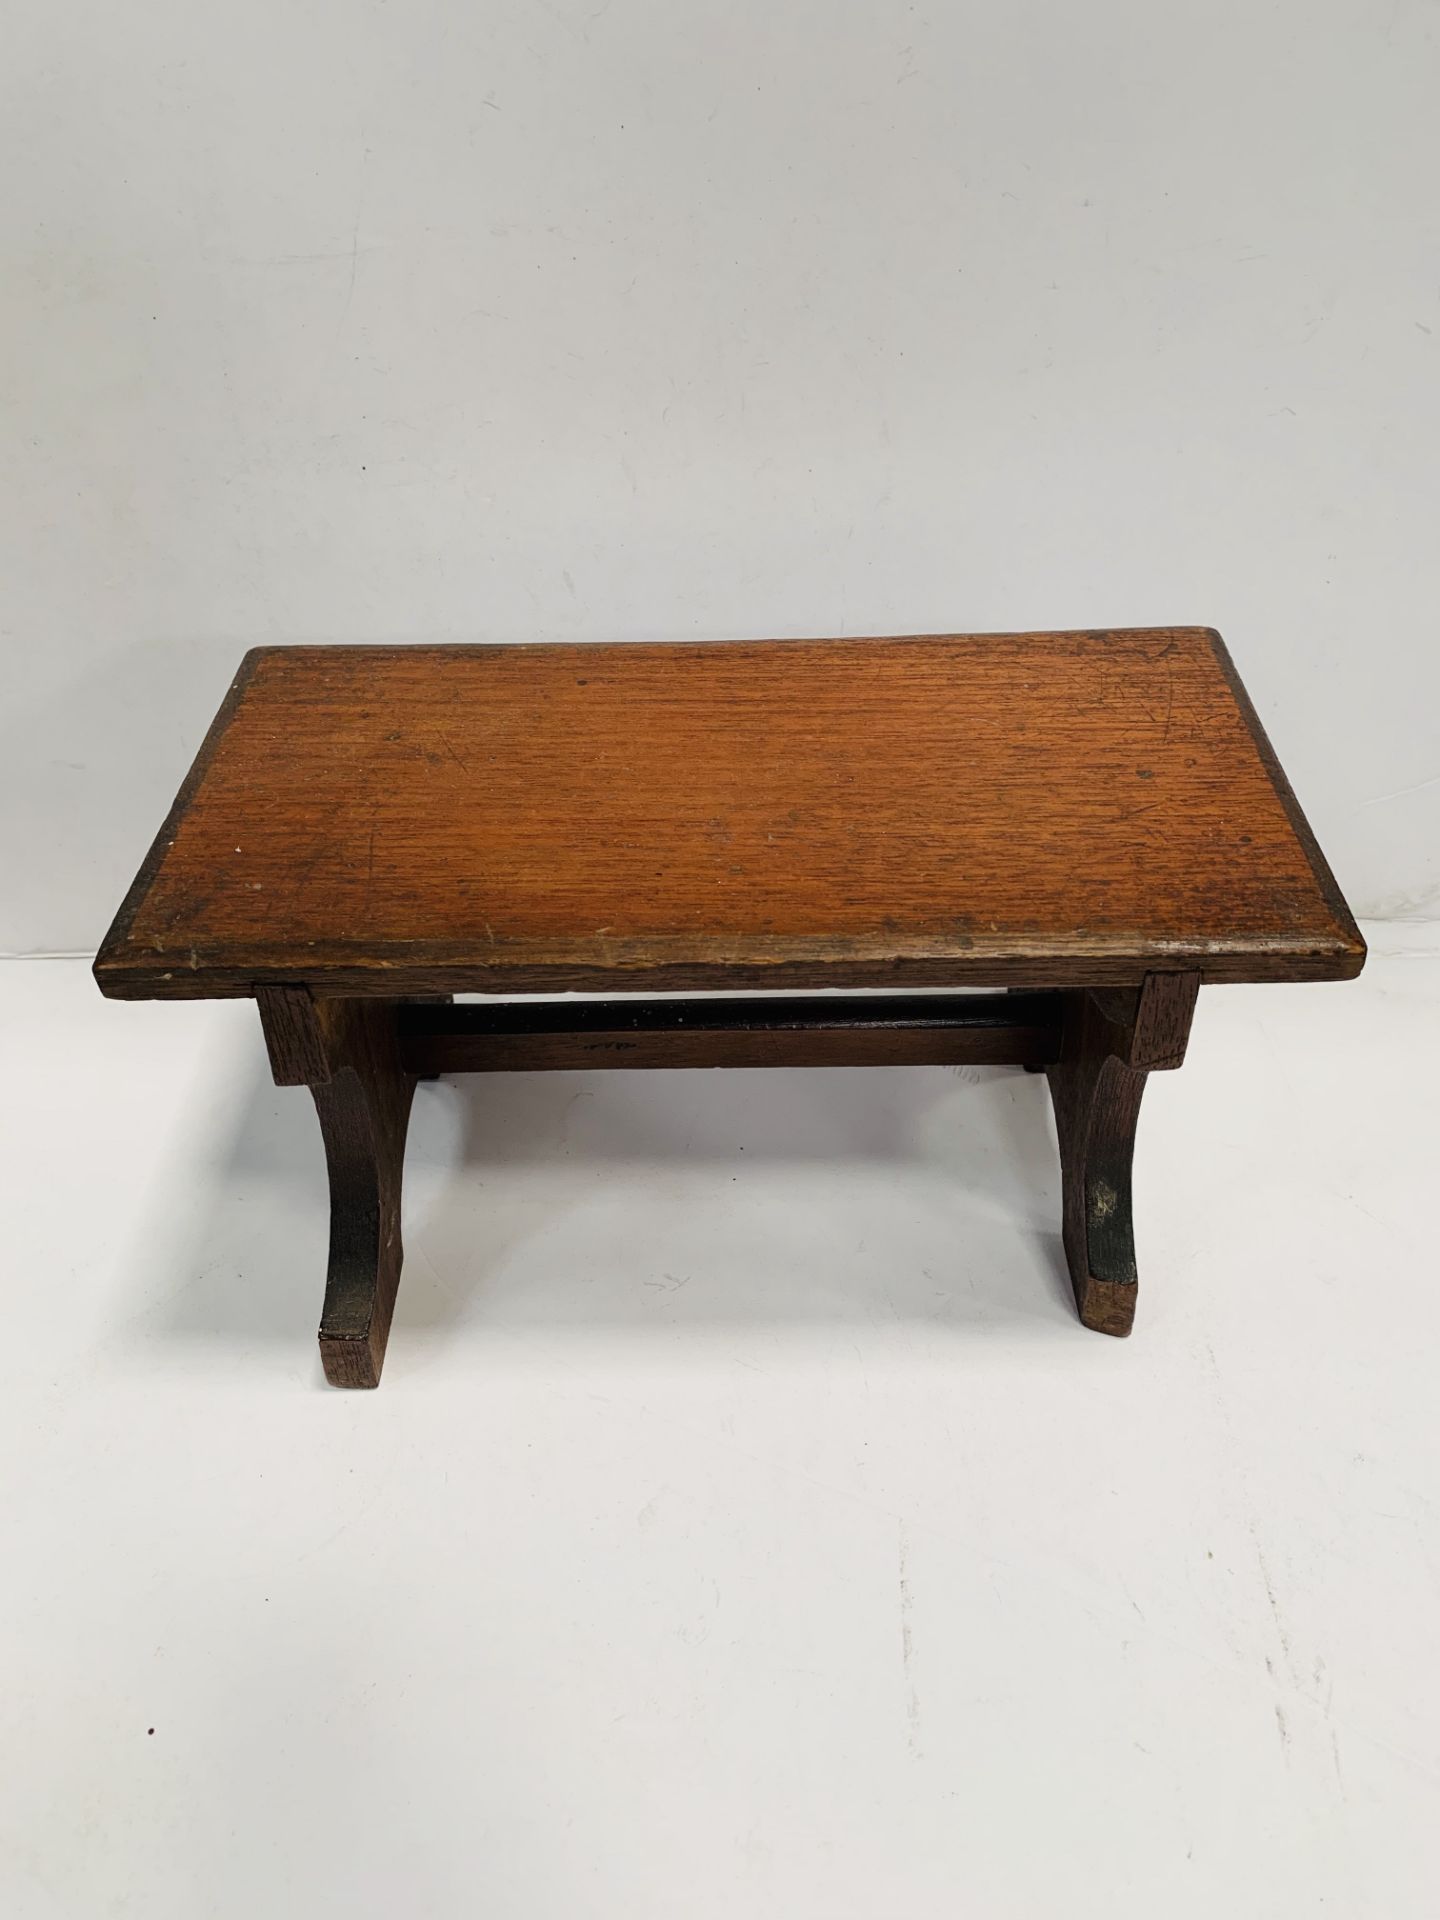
(995, 1029)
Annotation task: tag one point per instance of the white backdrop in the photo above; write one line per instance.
(643, 319)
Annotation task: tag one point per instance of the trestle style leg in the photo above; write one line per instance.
(347, 1053)
(1111, 1040)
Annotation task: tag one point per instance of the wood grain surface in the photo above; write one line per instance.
(1048, 809)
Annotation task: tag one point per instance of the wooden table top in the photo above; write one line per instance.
(1037, 809)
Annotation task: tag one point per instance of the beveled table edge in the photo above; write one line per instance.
(387, 970)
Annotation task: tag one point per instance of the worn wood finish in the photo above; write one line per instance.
(347, 1051)
(295, 1038)
(956, 1030)
(1054, 809)
(1111, 1042)
(1093, 821)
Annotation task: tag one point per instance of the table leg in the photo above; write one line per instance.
(1112, 1040)
(346, 1052)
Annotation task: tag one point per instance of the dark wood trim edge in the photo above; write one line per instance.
(397, 973)
(112, 953)
(1329, 887)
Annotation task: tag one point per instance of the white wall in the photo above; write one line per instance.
(432, 319)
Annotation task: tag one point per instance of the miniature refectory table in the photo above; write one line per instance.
(1089, 825)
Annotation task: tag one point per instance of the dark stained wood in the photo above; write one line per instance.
(1160, 1030)
(1153, 1031)
(294, 1038)
(428, 1000)
(978, 1030)
(1111, 1041)
(349, 1051)
(1059, 809)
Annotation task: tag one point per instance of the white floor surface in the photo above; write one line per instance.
(745, 1529)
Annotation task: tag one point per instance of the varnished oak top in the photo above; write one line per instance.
(1045, 809)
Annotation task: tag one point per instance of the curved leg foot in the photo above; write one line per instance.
(1097, 1102)
(346, 1052)
(1112, 1040)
